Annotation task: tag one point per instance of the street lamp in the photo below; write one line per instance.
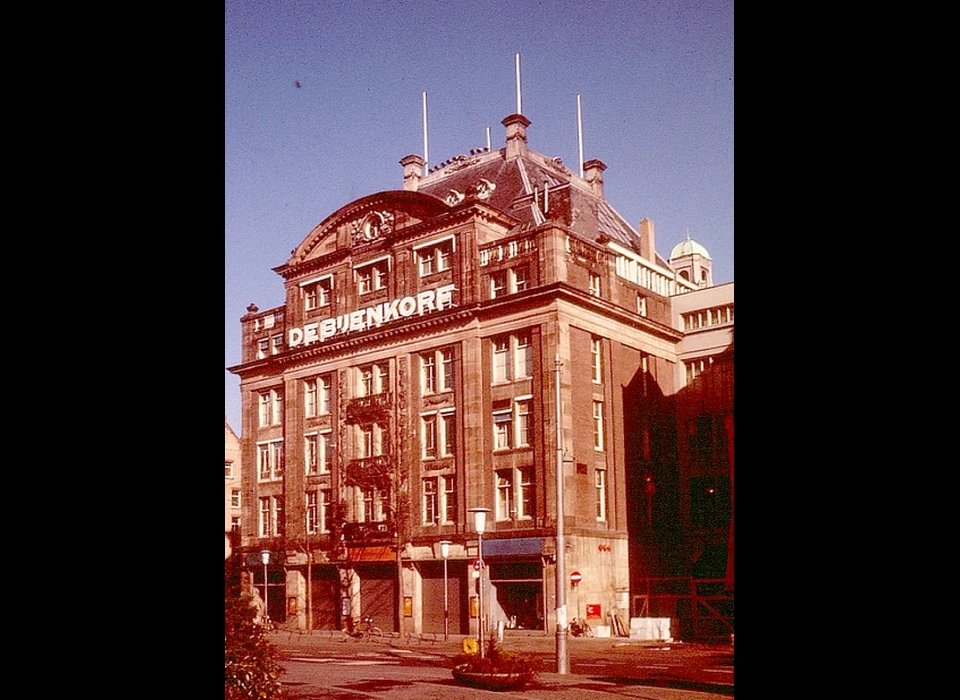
(265, 557)
(445, 552)
(480, 524)
(563, 661)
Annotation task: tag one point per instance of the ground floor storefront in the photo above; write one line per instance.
(425, 593)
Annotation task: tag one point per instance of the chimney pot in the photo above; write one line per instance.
(593, 174)
(516, 134)
(412, 171)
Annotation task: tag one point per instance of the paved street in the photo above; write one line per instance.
(328, 665)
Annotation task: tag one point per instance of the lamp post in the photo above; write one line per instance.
(563, 661)
(480, 524)
(445, 552)
(265, 557)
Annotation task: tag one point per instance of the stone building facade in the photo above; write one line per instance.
(412, 375)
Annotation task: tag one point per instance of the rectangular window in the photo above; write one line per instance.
(523, 421)
(313, 512)
(428, 263)
(325, 452)
(374, 379)
(228, 470)
(595, 359)
(449, 499)
(324, 510)
(444, 255)
(512, 357)
(366, 381)
(594, 284)
(324, 291)
(277, 344)
(430, 501)
(369, 505)
(266, 519)
(525, 502)
(271, 408)
(311, 453)
(235, 498)
(435, 257)
(263, 348)
(505, 494)
(263, 462)
(323, 408)
(372, 277)
(370, 440)
(270, 460)
(598, 425)
(439, 500)
(600, 481)
(524, 356)
(375, 502)
(448, 433)
(310, 394)
(366, 441)
(519, 279)
(448, 377)
(318, 511)
(428, 373)
(437, 371)
(501, 353)
(264, 409)
(317, 294)
(498, 284)
(428, 435)
(278, 520)
(502, 429)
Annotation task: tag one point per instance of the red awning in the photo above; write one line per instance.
(384, 553)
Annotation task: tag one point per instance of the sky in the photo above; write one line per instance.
(323, 98)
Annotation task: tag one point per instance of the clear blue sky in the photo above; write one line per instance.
(655, 80)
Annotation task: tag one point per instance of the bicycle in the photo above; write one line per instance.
(580, 628)
(364, 630)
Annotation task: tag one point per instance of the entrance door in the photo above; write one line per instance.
(518, 588)
(378, 594)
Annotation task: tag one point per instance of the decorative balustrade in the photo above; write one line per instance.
(370, 409)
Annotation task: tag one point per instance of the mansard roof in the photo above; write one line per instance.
(532, 188)
(527, 187)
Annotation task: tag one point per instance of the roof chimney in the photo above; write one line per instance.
(647, 250)
(516, 134)
(593, 174)
(412, 171)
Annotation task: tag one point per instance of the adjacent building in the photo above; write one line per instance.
(447, 346)
(232, 485)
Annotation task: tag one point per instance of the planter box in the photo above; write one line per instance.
(492, 681)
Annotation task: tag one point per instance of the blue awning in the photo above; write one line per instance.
(512, 547)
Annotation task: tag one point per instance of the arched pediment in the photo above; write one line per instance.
(367, 220)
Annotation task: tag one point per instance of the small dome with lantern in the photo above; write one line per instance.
(692, 262)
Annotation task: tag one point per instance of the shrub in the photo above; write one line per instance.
(498, 660)
(251, 663)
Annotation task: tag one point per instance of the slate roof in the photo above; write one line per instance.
(519, 184)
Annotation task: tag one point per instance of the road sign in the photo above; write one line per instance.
(575, 578)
